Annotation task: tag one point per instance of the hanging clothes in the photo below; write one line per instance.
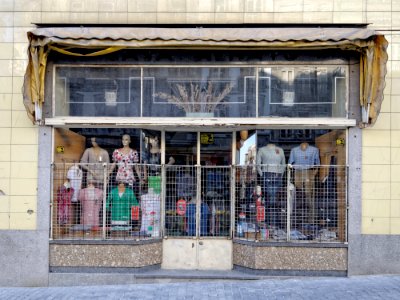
(74, 175)
(120, 206)
(91, 200)
(191, 219)
(150, 205)
(185, 185)
(64, 196)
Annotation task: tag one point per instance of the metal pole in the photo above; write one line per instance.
(52, 200)
(105, 178)
(233, 185)
(233, 201)
(288, 204)
(163, 185)
(198, 188)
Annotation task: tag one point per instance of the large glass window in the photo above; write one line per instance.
(199, 92)
(97, 91)
(300, 91)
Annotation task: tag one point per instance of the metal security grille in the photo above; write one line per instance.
(97, 201)
(142, 201)
(296, 205)
(198, 201)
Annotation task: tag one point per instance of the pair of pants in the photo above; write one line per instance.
(305, 180)
(272, 182)
(271, 185)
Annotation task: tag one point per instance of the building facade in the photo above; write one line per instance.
(200, 135)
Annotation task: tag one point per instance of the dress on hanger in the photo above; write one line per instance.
(91, 200)
(64, 196)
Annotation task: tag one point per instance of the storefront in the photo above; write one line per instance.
(197, 148)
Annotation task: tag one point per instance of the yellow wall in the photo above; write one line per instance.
(18, 138)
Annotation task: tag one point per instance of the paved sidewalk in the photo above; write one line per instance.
(359, 287)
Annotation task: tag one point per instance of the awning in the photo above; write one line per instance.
(104, 40)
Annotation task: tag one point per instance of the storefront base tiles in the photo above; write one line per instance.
(105, 255)
(320, 259)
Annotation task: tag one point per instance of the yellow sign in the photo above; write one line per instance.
(60, 149)
(340, 142)
(207, 138)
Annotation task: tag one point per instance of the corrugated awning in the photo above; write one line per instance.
(101, 41)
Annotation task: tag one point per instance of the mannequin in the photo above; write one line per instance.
(91, 200)
(150, 205)
(119, 202)
(154, 156)
(305, 160)
(92, 160)
(124, 158)
(271, 166)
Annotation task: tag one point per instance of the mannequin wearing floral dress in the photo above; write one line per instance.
(126, 160)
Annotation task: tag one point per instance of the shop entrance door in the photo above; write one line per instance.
(198, 225)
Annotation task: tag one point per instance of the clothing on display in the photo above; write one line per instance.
(91, 201)
(74, 175)
(185, 185)
(93, 160)
(64, 197)
(124, 164)
(271, 165)
(271, 159)
(120, 205)
(304, 157)
(305, 180)
(151, 210)
(191, 219)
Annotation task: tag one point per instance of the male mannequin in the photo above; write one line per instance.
(271, 166)
(92, 160)
(305, 160)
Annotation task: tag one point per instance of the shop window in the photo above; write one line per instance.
(199, 92)
(303, 91)
(97, 91)
(298, 91)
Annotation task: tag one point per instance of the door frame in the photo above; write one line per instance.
(191, 252)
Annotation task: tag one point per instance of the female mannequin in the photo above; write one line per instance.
(92, 160)
(125, 159)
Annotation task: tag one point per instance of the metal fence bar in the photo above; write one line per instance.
(288, 202)
(104, 220)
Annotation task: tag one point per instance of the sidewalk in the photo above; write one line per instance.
(358, 287)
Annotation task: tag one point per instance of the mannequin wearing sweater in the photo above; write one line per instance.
(271, 166)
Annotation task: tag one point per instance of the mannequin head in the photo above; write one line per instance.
(126, 140)
(304, 145)
(94, 142)
(154, 143)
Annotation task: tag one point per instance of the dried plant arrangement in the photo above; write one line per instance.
(191, 97)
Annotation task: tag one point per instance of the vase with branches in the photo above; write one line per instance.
(196, 98)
